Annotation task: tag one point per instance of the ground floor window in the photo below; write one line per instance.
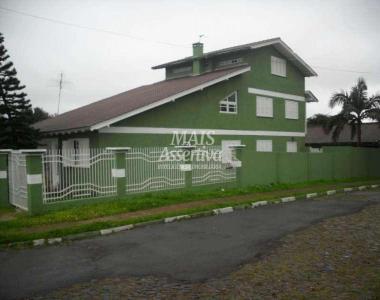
(264, 146)
(291, 146)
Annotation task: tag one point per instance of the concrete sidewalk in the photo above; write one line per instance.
(191, 250)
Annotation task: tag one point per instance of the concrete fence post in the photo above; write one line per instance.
(119, 171)
(4, 178)
(34, 179)
(186, 166)
(238, 164)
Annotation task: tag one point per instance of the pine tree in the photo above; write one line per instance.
(16, 115)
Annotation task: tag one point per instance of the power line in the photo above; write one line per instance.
(90, 28)
(344, 70)
(146, 40)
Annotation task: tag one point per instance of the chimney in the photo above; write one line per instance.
(197, 54)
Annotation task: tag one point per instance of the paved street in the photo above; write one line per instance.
(190, 250)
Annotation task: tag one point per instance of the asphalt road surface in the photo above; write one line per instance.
(191, 250)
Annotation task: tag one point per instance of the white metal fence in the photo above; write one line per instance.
(148, 170)
(73, 174)
(17, 180)
(209, 166)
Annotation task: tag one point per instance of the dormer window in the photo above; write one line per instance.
(233, 61)
(278, 66)
(229, 104)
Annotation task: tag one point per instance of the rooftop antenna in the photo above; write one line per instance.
(60, 91)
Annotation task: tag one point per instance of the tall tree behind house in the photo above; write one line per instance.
(16, 118)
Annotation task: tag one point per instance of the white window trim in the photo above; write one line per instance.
(275, 94)
(289, 145)
(277, 60)
(228, 104)
(258, 149)
(261, 98)
(287, 114)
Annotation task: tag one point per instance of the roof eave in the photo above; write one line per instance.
(64, 131)
(276, 42)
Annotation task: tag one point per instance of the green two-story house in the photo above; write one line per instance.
(252, 94)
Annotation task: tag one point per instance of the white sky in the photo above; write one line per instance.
(328, 35)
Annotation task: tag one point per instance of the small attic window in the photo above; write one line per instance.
(233, 61)
(229, 104)
(182, 70)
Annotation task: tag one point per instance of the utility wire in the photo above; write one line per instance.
(143, 39)
(90, 28)
(344, 70)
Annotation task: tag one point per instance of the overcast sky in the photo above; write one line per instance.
(339, 39)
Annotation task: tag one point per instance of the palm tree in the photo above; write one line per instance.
(356, 107)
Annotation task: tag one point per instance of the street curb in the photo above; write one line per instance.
(219, 211)
(258, 203)
(224, 210)
(176, 218)
(311, 195)
(288, 199)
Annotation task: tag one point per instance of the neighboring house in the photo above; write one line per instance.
(316, 137)
(252, 94)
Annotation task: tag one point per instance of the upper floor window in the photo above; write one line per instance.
(229, 104)
(278, 66)
(264, 106)
(291, 109)
(264, 145)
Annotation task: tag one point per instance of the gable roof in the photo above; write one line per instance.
(277, 43)
(316, 135)
(113, 109)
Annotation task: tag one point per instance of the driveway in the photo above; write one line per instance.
(192, 250)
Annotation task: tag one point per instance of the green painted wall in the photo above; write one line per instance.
(147, 140)
(266, 168)
(4, 185)
(201, 109)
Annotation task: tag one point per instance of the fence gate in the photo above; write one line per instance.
(17, 180)
(146, 172)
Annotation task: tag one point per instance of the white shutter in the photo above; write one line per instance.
(84, 152)
(291, 146)
(278, 66)
(291, 109)
(67, 153)
(264, 106)
(264, 145)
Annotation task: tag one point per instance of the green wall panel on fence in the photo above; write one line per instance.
(292, 167)
(258, 168)
(320, 166)
(4, 186)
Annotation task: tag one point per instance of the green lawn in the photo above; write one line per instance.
(20, 228)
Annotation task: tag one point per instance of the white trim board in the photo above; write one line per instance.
(168, 99)
(162, 130)
(275, 94)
